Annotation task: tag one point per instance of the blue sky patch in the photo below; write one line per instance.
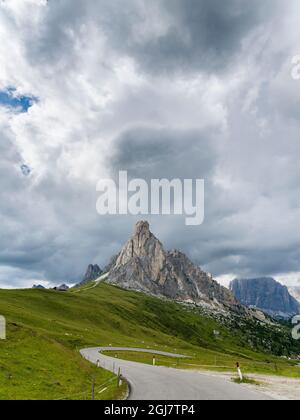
(9, 99)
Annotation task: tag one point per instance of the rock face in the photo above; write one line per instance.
(267, 295)
(144, 265)
(93, 272)
(295, 292)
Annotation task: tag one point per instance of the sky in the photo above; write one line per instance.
(15, 103)
(167, 88)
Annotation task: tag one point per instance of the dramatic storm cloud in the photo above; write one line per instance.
(161, 88)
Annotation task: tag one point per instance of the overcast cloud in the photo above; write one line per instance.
(161, 88)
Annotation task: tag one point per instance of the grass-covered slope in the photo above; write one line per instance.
(46, 329)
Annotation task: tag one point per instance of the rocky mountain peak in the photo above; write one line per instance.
(145, 246)
(144, 265)
(142, 228)
(267, 295)
(93, 272)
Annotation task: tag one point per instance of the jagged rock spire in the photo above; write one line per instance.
(144, 265)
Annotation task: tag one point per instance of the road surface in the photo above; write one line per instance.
(162, 383)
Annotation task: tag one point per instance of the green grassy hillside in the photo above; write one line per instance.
(46, 329)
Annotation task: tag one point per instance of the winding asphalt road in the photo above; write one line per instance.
(162, 383)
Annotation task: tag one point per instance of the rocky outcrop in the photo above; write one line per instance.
(93, 272)
(295, 292)
(144, 265)
(267, 295)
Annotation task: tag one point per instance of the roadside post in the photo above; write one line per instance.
(239, 371)
(119, 377)
(154, 361)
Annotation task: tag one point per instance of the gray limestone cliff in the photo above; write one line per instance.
(144, 265)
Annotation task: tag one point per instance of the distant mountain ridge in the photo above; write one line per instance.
(267, 295)
(93, 272)
(144, 265)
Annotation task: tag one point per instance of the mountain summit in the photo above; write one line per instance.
(93, 272)
(144, 265)
(267, 295)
